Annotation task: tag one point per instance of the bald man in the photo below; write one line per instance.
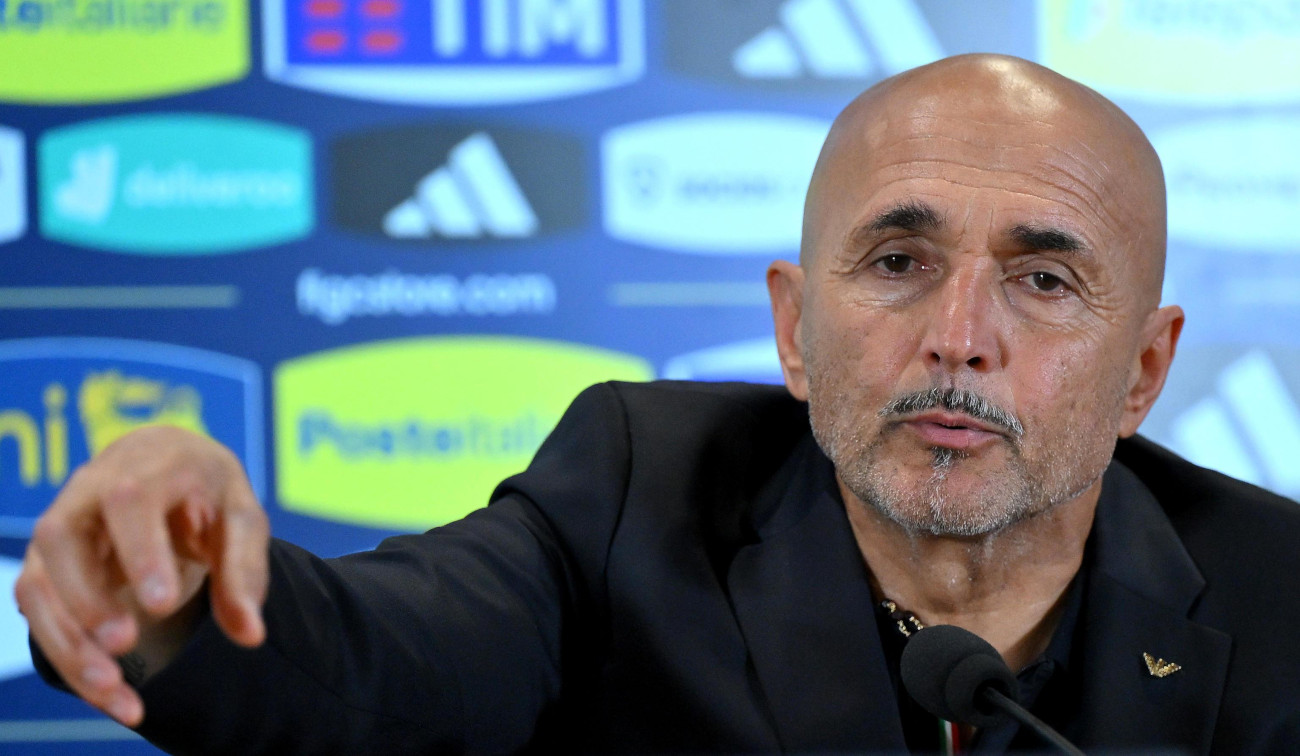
(970, 342)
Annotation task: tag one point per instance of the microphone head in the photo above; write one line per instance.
(946, 668)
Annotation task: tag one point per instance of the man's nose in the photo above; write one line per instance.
(964, 331)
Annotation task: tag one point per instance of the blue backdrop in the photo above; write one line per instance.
(375, 246)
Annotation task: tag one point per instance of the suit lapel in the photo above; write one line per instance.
(804, 606)
(1139, 595)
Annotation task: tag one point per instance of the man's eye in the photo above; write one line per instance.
(1045, 281)
(896, 263)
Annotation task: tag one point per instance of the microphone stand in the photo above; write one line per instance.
(999, 699)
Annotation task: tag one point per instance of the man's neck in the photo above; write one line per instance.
(1007, 587)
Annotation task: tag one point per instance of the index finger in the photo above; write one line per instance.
(239, 568)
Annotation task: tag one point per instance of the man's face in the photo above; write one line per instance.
(973, 310)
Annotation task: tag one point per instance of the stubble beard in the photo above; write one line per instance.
(1001, 498)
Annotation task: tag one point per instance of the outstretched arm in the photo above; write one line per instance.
(160, 522)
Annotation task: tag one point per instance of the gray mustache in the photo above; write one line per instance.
(955, 400)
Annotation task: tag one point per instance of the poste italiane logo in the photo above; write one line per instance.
(1225, 174)
(454, 51)
(413, 433)
(712, 183)
(13, 185)
(82, 51)
(1208, 52)
(175, 184)
(64, 399)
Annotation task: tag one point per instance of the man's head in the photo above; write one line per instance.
(975, 317)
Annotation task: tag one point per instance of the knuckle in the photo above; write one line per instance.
(51, 527)
(251, 519)
(192, 487)
(123, 493)
(82, 474)
(25, 591)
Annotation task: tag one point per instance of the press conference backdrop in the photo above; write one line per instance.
(376, 246)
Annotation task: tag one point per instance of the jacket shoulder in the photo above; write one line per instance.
(1243, 538)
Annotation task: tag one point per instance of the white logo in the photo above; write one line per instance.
(754, 360)
(1250, 428)
(13, 185)
(14, 659)
(472, 195)
(87, 195)
(1226, 175)
(713, 183)
(828, 39)
(457, 52)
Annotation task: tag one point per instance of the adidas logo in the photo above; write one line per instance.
(472, 195)
(831, 39)
(1249, 428)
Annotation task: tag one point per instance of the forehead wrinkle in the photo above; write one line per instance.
(980, 168)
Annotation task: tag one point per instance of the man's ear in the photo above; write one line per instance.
(785, 287)
(1151, 366)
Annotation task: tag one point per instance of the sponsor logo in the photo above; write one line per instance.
(175, 184)
(1248, 426)
(474, 194)
(1208, 52)
(838, 42)
(13, 185)
(83, 51)
(335, 299)
(755, 361)
(15, 659)
(1223, 175)
(461, 52)
(412, 433)
(697, 183)
(507, 185)
(64, 399)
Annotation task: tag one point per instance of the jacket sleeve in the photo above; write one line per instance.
(451, 641)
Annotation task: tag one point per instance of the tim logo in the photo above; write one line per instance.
(454, 52)
(1246, 426)
(498, 185)
(13, 185)
(64, 399)
(805, 40)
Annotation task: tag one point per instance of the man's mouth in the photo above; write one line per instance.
(952, 430)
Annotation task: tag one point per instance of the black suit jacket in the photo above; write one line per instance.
(675, 572)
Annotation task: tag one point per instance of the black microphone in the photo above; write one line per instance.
(956, 675)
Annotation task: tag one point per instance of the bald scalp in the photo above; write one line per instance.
(994, 90)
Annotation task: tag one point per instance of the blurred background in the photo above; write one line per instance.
(376, 246)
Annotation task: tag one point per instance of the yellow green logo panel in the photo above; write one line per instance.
(1210, 52)
(413, 433)
(59, 52)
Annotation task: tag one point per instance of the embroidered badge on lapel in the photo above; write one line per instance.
(1159, 667)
